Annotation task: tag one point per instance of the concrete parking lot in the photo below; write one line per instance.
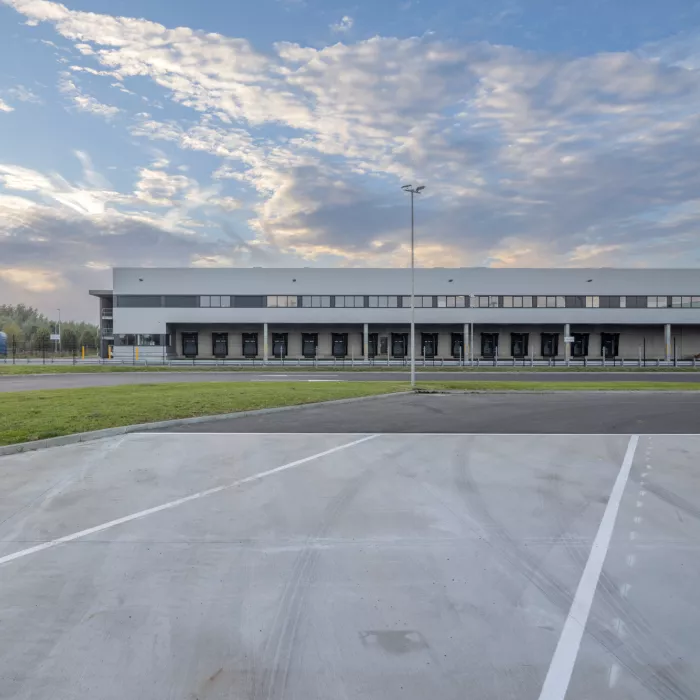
(393, 566)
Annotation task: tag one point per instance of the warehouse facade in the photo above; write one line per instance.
(363, 314)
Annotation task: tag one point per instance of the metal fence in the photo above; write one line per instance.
(348, 363)
(46, 352)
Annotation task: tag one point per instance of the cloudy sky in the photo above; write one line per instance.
(278, 133)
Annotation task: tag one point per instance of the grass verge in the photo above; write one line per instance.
(559, 386)
(35, 415)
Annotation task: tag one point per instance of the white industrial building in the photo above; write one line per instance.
(365, 314)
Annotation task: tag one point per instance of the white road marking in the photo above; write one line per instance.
(562, 665)
(631, 559)
(625, 589)
(637, 519)
(180, 501)
(642, 493)
(633, 535)
(640, 504)
(614, 675)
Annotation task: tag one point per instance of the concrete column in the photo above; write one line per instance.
(567, 346)
(466, 343)
(366, 343)
(667, 341)
(264, 343)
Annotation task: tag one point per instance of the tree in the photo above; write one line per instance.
(87, 339)
(69, 340)
(14, 332)
(41, 339)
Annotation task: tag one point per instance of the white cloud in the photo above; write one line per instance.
(86, 103)
(345, 24)
(529, 157)
(23, 94)
(4, 107)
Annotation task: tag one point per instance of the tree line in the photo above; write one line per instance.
(32, 329)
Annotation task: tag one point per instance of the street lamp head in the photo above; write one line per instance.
(406, 187)
(420, 188)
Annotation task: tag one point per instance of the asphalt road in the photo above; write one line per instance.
(566, 413)
(72, 381)
(402, 567)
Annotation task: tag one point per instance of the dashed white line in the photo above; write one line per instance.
(631, 559)
(625, 589)
(561, 667)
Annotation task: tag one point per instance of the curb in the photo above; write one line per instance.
(557, 391)
(145, 427)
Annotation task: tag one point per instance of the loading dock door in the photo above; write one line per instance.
(190, 344)
(309, 343)
(519, 344)
(340, 344)
(550, 344)
(579, 348)
(399, 344)
(429, 343)
(458, 345)
(609, 344)
(489, 344)
(384, 345)
(250, 344)
(219, 344)
(279, 344)
(373, 343)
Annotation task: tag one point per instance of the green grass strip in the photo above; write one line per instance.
(35, 415)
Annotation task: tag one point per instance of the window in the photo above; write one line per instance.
(634, 302)
(316, 302)
(682, 302)
(180, 301)
(383, 302)
(421, 302)
(657, 302)
(551, 302)
(281, 301)
(134, 301)
(592, 302)
(517, 302)
(125, 340)
(451, 302)
(248, 302)
(149, 339)
(695, 302)
(214, 302)
(623, 302)
(490, 302)
(349, 302)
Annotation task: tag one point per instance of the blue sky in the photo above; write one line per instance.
(278, 132)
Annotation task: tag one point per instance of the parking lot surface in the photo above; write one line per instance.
(393, 566)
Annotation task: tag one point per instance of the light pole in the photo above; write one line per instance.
(413, 191)
(59, 330)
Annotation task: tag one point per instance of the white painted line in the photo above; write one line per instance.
(625, 589)
(631, 559)
(614, 675)
(562, 665)
(173, 504)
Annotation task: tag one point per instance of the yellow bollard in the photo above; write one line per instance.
(136, 353)
(109, 352)
(83, 352)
